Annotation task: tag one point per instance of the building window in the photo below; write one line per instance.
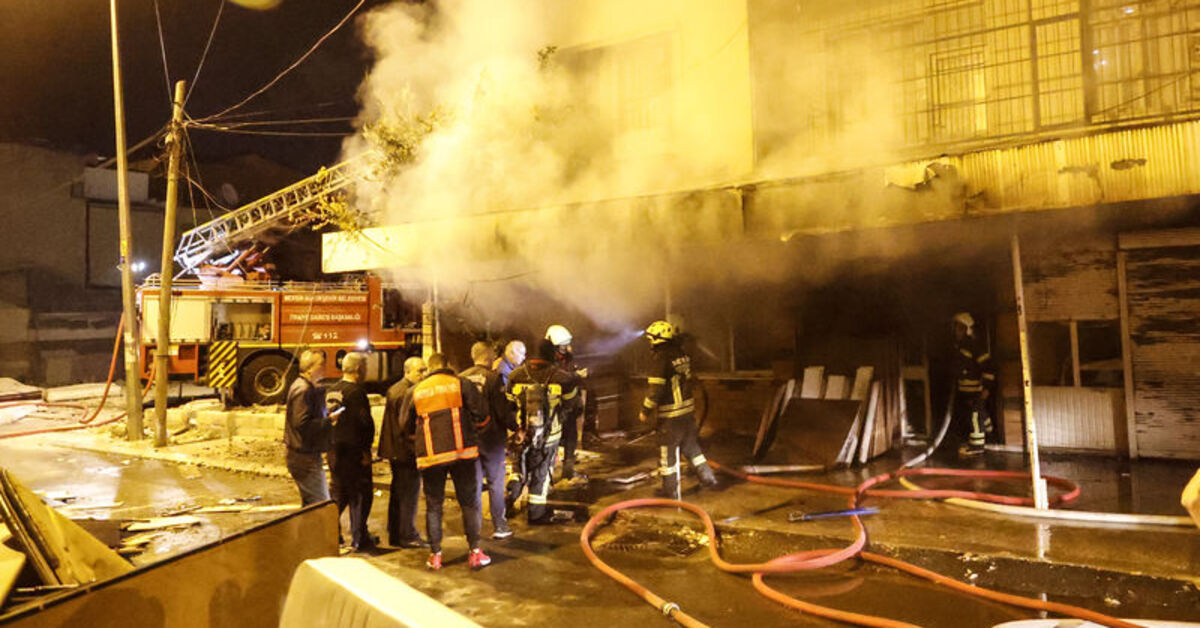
(1076, 353)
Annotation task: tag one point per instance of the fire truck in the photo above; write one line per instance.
(236, 328)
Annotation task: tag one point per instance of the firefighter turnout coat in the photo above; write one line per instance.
(445, 409)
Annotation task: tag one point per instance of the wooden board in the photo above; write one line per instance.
(814, 431)
(766, 425)
(813, 386)
(862, 383)
(870, 425)
(836, 387)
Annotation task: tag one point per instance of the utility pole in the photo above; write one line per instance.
(162, 346)
(133, 377)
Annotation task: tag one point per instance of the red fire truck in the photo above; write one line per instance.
(236, 330)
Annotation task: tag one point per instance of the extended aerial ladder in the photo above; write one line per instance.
(271, 216)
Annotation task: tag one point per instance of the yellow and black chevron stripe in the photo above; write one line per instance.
(222, 364)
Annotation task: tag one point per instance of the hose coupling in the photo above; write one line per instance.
(669, 607)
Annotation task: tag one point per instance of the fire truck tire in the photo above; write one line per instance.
(265, 379)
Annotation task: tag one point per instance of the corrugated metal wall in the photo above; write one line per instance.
(1164, 325)
(1078, 418)
(1076, 280)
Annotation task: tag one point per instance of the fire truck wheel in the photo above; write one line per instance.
(264, 380)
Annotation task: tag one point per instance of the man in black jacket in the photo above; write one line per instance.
(395, 444)
(306, 430)
(350, 458)
(492, 433)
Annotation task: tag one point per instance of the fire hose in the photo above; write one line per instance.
(87, 419)
(816, 559)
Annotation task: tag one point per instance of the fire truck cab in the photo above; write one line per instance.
(244, 336)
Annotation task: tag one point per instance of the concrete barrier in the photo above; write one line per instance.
(352, 593)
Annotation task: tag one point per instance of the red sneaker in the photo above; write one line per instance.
(478, 560)
(435, 561)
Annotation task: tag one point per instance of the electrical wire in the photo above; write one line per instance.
(291, 67)
(220, 129)
(162, 47)
(263, 112)
(235, 125)
(204, 55)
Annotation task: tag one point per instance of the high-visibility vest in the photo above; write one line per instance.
(441, 437)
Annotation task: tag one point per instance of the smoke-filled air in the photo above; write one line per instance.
(492, 109)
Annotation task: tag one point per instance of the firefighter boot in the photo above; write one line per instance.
(707, 479)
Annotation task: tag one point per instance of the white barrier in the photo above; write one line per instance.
(352, 593)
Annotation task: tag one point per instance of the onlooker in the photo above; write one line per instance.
(492, 433)
(395, 444)
(350, 458)
(445, 409)
(514, 356)
(306, 431)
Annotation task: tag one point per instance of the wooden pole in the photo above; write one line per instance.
(133, 375)
(162, 346)
(1031, 442)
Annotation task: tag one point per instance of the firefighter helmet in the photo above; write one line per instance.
(966, 320)
(660, 331)
(559, 335)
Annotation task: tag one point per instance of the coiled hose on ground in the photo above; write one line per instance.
(816, 559)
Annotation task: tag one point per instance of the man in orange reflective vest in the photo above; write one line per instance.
(445, 409)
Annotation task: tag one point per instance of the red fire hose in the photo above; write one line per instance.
(86, 421)
(815, 559)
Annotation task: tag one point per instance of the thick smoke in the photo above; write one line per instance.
(526, 135)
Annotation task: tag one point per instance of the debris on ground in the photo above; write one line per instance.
(13, 390)
(161, 523)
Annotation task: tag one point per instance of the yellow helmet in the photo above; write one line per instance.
(660, 331)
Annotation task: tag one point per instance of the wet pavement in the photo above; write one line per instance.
(541, 575)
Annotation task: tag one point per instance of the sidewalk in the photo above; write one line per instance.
(902, 526)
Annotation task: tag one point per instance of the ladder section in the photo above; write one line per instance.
(278, 210)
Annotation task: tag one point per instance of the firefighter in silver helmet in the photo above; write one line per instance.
(670, 396)
(564, 358)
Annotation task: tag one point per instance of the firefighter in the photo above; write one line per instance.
(396, 445)
(546, 398)
(670, 396)
(492, 433)
(350, 457)
(974, 381)
(564, 358)
(445, 409)
(514, 356)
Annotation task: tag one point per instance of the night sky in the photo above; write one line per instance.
(56, 73)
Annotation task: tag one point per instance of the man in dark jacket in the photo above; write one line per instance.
(395, 444)
(492, 433)
(445, 409)
(306, 430)
(546, 397)
(670, 395)
(350, 458)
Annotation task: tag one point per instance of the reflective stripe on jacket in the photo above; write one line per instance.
(445, 428)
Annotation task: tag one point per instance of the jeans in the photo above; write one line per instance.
(308, 470)
(352, 488)
(466, 490)
(491, 468)
(403, 498)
